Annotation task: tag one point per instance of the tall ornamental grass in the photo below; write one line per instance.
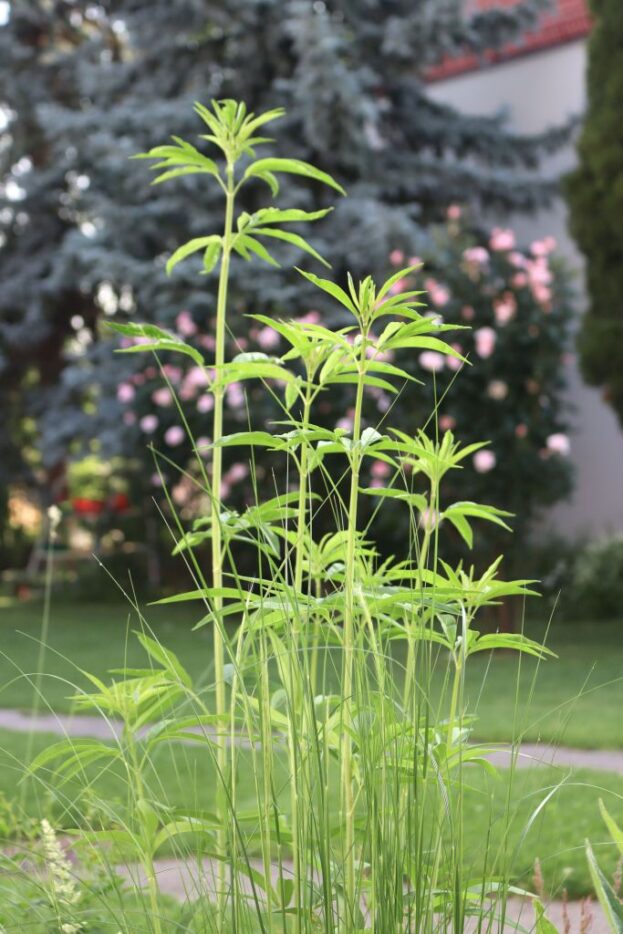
(338, 770)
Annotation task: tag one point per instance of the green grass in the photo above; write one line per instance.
(556, 836)
(577, 699)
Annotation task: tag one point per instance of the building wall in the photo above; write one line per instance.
(537, 91)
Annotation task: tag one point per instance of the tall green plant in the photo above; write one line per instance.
(333, 675)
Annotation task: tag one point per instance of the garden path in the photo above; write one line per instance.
(531, 754)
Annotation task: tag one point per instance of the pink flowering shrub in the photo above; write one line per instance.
(515, 306)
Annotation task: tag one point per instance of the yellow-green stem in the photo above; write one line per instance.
(217, 542)
(348, 805)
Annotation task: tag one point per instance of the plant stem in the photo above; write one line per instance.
(217, 541)
(348, 806)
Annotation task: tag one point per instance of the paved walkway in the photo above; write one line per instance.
(530, 755)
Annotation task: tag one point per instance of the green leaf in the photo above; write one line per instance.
(292, 167)
(292, 238)
(288, 216)
(242, 245)
(165, 657)
(270, 180)
(160, 341)
(612, 907)
(543, 924)
(175, 173)
(210, 257)
(331, 288)
(193, 246)
(613, 828)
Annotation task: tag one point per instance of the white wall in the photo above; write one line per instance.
(539, 90)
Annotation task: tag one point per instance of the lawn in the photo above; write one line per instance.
(574, 700)
(556, 837)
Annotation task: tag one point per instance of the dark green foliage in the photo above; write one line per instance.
(89, 85)
(595, 196)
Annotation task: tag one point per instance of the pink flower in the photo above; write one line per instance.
(558, 443)
(268, 338)
(151, 372)
(543, 247)
(453, 363)
(468, 313)
(502, 239)
(196, 377)
(129, 418)
(399, 286)
(380, 469)
(542, 293)
(185, 324)
(162, 396)
(174, 435)
(517, 259)
(521, 430)
(125, 392)
(396, 257)
(156, 479)
(346, 422)
(432, 361)
(174, 373)
(235, 395)
(497, 389)
(505, 308)
(148, 423)
(454, 212)
(520, 280)
(207, 341)
(485, 339)
(205, 403)
(415, 261)
(447, 422)
(476, 255)
(236, 473)
(438, 293)
(203, 444)
(311, 317)
(484, 461)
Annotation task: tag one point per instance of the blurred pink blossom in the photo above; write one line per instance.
(447, 422)
(454, 212)
(174, 373)
(476, 255)
(208, 341)
(148, 423)
(268, 338)
(380, 469)
(185, 325)
(429, 518)
(125, 392)
(236, 473)
(502, 239)
(543, 247)
(520, 280)
(468, 313)
(521, 430)
(203, 444)
(129, 418)
(205, 403)
(235, 395)
(396, 257)
(156, 479)
(399, 286)
(558, 443)
(162, 396)
(484, 460)
(196, 377)
(439, 294)
(504, 308)
(453, 363)
(432, 361)
(174, 435)
(517, 259)
(311, 317)
(485, 339)
(415, 261)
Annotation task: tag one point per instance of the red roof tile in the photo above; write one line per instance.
(569, 20)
